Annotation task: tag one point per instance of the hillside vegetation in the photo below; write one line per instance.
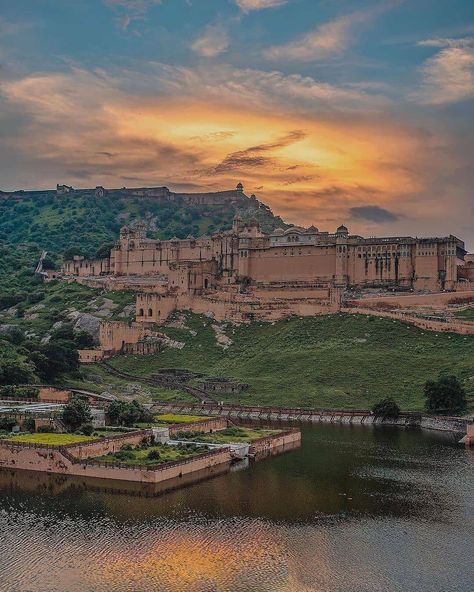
(32, 312)
(337, 361)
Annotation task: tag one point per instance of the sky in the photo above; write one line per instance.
(330, 111)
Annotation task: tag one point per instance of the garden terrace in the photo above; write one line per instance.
(152, 455)
(230, 435)
(175, 418)
(50, 439)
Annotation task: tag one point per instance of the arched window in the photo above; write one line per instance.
(150, 312)
(140, 314)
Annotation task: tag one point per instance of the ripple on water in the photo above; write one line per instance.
(315, 520)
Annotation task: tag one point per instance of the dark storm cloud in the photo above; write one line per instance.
(373, 214)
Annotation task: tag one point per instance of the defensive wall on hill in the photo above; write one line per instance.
(442, 325)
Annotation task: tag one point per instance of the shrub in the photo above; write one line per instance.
(124, 455)
(7, 423)
(29, 424)
(445, 396)
(386, 408)
(87, 429)
(46, 429)
(153, 455)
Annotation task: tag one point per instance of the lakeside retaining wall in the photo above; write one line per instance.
(361, 417)
(61, 460)
(276, 443)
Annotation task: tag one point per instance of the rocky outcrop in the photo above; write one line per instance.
(84, 321)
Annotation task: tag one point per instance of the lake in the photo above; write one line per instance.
(354, 509)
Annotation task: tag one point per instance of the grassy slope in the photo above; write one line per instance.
(348, 361)
(466, 314)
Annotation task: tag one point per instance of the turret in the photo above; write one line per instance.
(237, 224)
(342, 231)
(240, 188)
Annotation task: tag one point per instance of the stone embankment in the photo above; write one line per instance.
(77, 459)
(362, 417)
(275, 444)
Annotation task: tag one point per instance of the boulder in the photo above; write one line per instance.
(7, 329)
(84, 321)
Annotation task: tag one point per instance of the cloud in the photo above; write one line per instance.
(249, 5)
(135, 10)
(448, 76)
(329, 39)
(373, 214)
(214, 41)
(268, 89)
(254, 156)
(447, 42)
(140, 6)
(316, 150)
(124, 21)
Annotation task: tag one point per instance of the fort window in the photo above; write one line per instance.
(150, 312)
(140, 314)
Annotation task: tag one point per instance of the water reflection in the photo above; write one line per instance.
(352, 509)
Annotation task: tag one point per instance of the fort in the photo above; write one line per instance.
(245, 274)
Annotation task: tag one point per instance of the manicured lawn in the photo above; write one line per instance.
(173, 418)
(229, 436)
(334, 361)
(140, 455)
(51, 439)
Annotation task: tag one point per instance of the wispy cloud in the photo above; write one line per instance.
(214, 41)
(249, 5)
(130, 10)
(329, 39)
(133, 5)
(447, 42)
(448, 76)
(124, 21)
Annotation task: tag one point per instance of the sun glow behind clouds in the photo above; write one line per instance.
(309, 163)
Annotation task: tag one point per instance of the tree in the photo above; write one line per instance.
(73, 252)
(103, 251)
(76, 413)
(55, 358)
(127, 414)
(445, 396)
(386, 408)
(13, 368)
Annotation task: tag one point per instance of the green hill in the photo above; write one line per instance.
(84, 222)
(336, 361)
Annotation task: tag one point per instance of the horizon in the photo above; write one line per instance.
(354, 112)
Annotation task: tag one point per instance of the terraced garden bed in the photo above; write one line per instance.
(152, 455)
(237, 435)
